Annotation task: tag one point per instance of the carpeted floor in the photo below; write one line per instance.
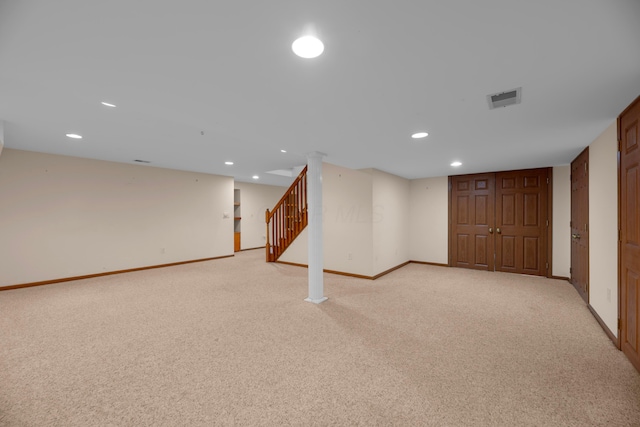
(231, 342)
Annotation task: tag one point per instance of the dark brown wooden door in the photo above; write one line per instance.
(472, 214)
(522, 221)
(499, 221)
(629, 135)
(580, 224)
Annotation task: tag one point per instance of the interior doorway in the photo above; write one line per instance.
(580, 224)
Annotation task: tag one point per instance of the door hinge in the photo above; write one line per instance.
(586, 227)
(585, 166)
(547, 266)
(547, 180)
(547, 223)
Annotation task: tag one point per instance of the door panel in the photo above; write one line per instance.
(531, 251)
(632, 294)
(630, 233)
(531, 211)
(463, 210)
(463, 252)
(482, 210)
(471, 201)
(580, 224)
(482, 257)
(508, 209)
(508, 253)
(521, 221)
(632, 205)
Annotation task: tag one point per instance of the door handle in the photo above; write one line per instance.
(498, 230)
(575, 236)
(490, 230)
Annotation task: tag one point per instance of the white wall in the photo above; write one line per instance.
(255, 199)
(561, 219)
(63, 216)
(391, 197)
(429, 220)
(347, 223)
(603, 227)
(347, 220)
(298, 250)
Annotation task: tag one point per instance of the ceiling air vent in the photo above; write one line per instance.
(504, 99)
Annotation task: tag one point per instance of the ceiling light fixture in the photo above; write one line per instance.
(228, 163)
(255, 177)
(74, 136)
(456, 164)
(283, 151)
(106, 104)
(419, 135)
(307, 47)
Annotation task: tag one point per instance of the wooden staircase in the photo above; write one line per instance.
(288, 218)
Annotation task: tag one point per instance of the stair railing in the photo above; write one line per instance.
(288, 218)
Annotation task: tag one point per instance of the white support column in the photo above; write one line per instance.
(314, 212)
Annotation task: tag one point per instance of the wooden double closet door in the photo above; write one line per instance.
(500, 221)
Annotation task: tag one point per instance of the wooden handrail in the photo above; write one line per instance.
(287, 219)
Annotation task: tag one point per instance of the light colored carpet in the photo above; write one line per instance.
(231, 342)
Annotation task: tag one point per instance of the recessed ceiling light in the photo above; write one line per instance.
(456, 164)
(74, 136)
(228, 163)
(107, 104)
(419, 135)
(283, 151)
(255, 177)
(307, 47)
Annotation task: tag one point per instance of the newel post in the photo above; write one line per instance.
(267, 246)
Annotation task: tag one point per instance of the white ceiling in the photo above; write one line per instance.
(177, 69)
